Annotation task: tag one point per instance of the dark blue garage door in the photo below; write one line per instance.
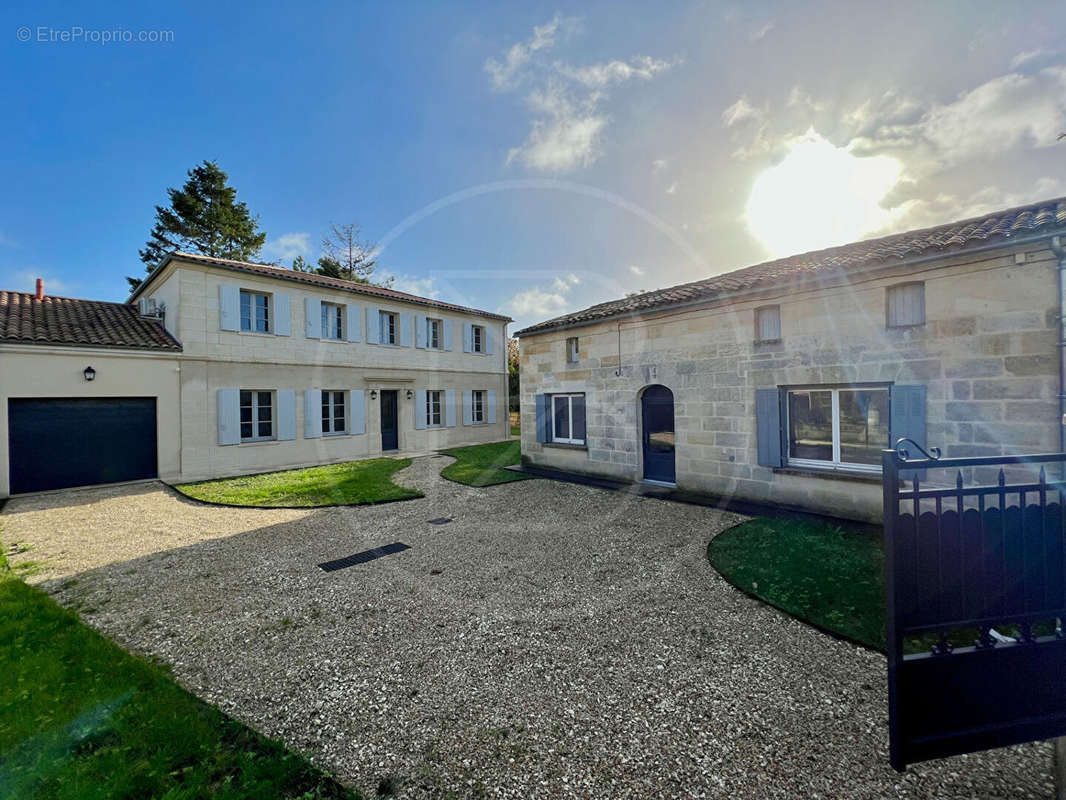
(54, 443)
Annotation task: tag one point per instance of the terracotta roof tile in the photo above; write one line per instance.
(1045, 217)
(83, 323)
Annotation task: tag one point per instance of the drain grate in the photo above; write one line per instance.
(364, 557)
(440, 521)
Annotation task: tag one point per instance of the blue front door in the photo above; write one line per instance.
(657, 409)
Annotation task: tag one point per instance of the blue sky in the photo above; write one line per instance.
(531, 158)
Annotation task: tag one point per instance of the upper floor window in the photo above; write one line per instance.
(255, 311)
(768, 324)
(572, 352)
(389, 328)
(332, 321)
(257, 415)
(477, 338)
(333, 416)
(433, 334)
(837, 427)
(433, 408)
(477, 406)
(906, 305)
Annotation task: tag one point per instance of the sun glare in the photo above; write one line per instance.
(819, 195)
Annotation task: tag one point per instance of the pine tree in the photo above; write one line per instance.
(204, 217)
(345, 256)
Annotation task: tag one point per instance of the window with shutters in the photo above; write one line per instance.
(333, 416)
(257, 415)
(434, 404)
(843, 427)
(572, 352)
(905, 305)
(434, 336)
(768, 324)
(477, 338)
(567, 413)
(477, 406)
(332, 321)
(255, 311)
(389, 328)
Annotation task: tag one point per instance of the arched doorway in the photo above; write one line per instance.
(657, 414)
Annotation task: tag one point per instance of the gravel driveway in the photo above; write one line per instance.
(552, 641)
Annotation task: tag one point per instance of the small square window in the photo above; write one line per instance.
(255, 312)
(768, 324)
(568, 418)
(573, 354)
(905, 305)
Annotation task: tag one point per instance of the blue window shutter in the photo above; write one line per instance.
(448, 335)
(373, 325)
(286, 414)
(353, 318)
(405, 330)
(490, 412)
(229, 307)
(229, 416)
(313, 318)
(468, 337)
(468, 407)
(907, 420)
(488, 340)
(768, 427)
(449, 408)
(420, 409)
(543, 402)
(282, 315)
(358, 406)
(420, 332)
(312, 413)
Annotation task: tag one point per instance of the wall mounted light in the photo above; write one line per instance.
(373, 394)
(89, 373)
(410, 395)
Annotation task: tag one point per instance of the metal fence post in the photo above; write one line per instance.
(890, 478)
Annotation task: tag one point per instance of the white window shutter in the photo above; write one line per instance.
(229, 307)
(405, 330)
(448, 334)
(286, 414)
(229, 416)
(313, 318)
(353, 318)
(449, 408)
(358, 412)
(488, 340)
(373, 325)
(420, 409)
(420, 332)
(282, 315)
(490, 400)
(312, 413)
(468, 337)
(468, 407)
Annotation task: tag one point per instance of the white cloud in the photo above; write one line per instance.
(742, 111)
(287, 246)
(658, 165)
(600, 76)
(26, 281)
(564, 134)
(536, 303)
(564, 283)
(508, 73)
(672, 188)
(1026, 56)
(635, 270)
(799, 98)
(422, 287)
(762, 30)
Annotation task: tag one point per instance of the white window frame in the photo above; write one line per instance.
(573, 350)
(434, 333)
(434, 398)
(836, 463)
(269, 311)
(555, 435)
(478, 401)
(477, 338)
(388, 327)
(332, 322)
(256, 406)
(329, 401)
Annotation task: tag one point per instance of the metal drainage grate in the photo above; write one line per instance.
(364, 557)
(440, 521)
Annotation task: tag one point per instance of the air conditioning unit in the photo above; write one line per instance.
(150, 307)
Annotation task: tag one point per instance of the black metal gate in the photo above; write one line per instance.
(975, 574)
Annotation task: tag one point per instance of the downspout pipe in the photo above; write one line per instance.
(1060, 253)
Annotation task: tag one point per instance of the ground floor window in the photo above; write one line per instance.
(433, 408)
(257, 415)
(844, 427)
(477, 406)
(568, 418)
(333, 417)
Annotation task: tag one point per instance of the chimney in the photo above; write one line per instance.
(40, 289)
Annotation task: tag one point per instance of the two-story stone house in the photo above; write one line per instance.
(218, 368)
(782, 382)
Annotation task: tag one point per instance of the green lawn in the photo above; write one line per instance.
(480, 464)
(516, 431)
(81, 718)
(350, 483)
(826, 575)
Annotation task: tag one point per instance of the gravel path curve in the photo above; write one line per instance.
(551, 641)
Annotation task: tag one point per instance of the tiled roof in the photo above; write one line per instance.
(269, 271)
(82, 323)
(1038, 218)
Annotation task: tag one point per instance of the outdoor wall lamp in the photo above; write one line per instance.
(410, 394)
(89, 373)
(373, 394)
